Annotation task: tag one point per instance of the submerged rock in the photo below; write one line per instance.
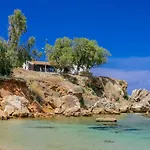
(106, 120)
(109, 141)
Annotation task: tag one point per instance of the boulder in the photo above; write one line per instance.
(69, 88)
(140, 107)
(98, 110)
(105, 106)
(15, 104)
(68, 105)
(57, 102)
(90, 100)
(140, 101)
(76, 91)
(3, 115)
(110, 107)
(9, 109)
(77, 114)
(123, 108)
(35, 107)
(138, 95)
(57, 111)
(37, 115)
(71, 111)
(21, 114)
(85, 112)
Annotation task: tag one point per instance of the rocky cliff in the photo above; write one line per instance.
(140, 101)
(35, 93)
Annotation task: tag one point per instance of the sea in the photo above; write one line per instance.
(131, 132)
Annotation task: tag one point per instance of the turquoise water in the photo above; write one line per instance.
(131, 132)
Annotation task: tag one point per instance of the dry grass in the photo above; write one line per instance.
(33, 75)
(37, 91)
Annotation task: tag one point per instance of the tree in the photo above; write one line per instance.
(79, 53)
(27, 52)
(13, 53)
(87, 54)
(32, 52)
(5, 61)
(20, 52)
(17, 27)
(61, 53)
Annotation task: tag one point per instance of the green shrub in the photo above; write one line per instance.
(126, 96)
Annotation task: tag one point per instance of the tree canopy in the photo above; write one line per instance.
(61, 53)
(5, 61)
(13, 53)
(66, 53)
(79, 53)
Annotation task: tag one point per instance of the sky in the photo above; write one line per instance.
(120, 26)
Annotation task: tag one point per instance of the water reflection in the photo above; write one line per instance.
(114, 128)
(42, 127)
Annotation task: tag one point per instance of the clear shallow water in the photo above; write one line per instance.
(129, 133)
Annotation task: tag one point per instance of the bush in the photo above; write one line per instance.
(126, 96)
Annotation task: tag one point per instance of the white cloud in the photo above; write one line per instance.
(131, 63)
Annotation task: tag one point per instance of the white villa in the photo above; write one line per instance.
(42, 66)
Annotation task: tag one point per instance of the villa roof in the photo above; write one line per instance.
(41, 63)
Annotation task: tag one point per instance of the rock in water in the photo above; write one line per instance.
(140, 101)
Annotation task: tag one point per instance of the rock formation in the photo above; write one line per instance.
(43, 94)
(140, 101)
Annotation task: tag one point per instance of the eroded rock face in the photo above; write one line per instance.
(106, 95)
(69, 95)
(68, 105)
(83, 95)
(140, 101)
(35, 107)
(15, 105)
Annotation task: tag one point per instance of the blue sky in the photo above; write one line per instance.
(121, 26)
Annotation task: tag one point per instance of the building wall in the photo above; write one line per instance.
(41, 68)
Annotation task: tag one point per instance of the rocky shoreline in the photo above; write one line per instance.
(39, 95)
